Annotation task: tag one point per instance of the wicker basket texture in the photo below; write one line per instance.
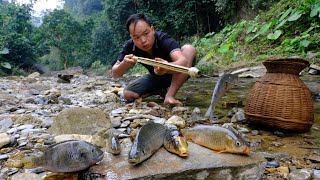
(280, 99)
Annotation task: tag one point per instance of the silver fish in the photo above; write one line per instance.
(67, 156)
(223, 84)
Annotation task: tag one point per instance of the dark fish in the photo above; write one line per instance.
(147, 141)
(67, 156)
(223, 84)
(217, 138)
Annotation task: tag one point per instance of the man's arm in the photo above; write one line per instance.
(120, 67)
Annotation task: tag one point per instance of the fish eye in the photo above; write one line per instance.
(238, 143)
(177, 143)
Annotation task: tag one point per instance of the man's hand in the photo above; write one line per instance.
(129, 60)
(158, 70)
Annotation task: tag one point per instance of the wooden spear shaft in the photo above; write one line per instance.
(192, 71)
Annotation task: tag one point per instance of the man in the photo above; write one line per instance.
(148, 43)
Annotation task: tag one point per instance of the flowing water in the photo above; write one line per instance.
(198, 93)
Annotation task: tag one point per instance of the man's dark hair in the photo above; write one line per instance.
(135, 18)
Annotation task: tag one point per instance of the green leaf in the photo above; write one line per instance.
(251, 28)
(285, 14)
(6, 65)
(295, 16)
(315, 11)
(274, 35)
(304, 43)
(4, 51)
(280, 25)
(224, 48)
(264, 28)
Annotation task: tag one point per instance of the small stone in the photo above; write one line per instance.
(4, 139)
(273, 164)
(26, 176)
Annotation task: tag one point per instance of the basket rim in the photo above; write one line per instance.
(289, 60)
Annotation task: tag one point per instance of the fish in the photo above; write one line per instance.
(67, 156)
(113, 144)
(147, 141)
(217, 138)
(175, 143)
(222, 86)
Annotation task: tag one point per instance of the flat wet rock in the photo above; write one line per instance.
(202, 163)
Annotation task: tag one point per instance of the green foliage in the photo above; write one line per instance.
(16, 38)
(72, 38)
(98, 68)
(289, 28)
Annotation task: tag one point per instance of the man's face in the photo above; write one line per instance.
(142, 35)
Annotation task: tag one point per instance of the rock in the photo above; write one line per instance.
(242, 70)
(80, 120)
(249, 75)
(177, 121)
(34, 75)
(93, 139)
(273, 164)
(5, 124)
(26, 176)
(4, 139)
(316, 67)
(302, 174)
(24, 119)
(238, 117)
(201, 163)
(115, 121)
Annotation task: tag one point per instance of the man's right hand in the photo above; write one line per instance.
(129, 60)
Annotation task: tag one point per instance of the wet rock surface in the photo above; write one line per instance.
(38, 111)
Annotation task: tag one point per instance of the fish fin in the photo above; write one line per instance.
(223, 151)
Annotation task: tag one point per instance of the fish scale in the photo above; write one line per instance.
(67, 156)
(148, 140)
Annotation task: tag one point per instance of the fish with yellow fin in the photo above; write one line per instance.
(67, 156)
(175, 143)
(217, 138)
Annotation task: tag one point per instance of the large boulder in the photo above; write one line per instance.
(79, 120)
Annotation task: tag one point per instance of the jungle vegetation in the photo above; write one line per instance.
(90, 33)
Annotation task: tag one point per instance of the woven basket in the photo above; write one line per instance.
(280, 99)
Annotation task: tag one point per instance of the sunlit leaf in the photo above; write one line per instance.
(224, 48)
(274, 35)
(304, 43)
(295, 16)
(6, 65)
(281, 24)
(4, 51)
(285, 14)
(264, 28)
(251, 28)
(315, 11)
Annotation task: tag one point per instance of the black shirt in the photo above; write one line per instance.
(164, 45)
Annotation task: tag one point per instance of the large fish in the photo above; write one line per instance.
(67, 156)
(175, 143)
(147, 141)
(217, 138)
(223, 84)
